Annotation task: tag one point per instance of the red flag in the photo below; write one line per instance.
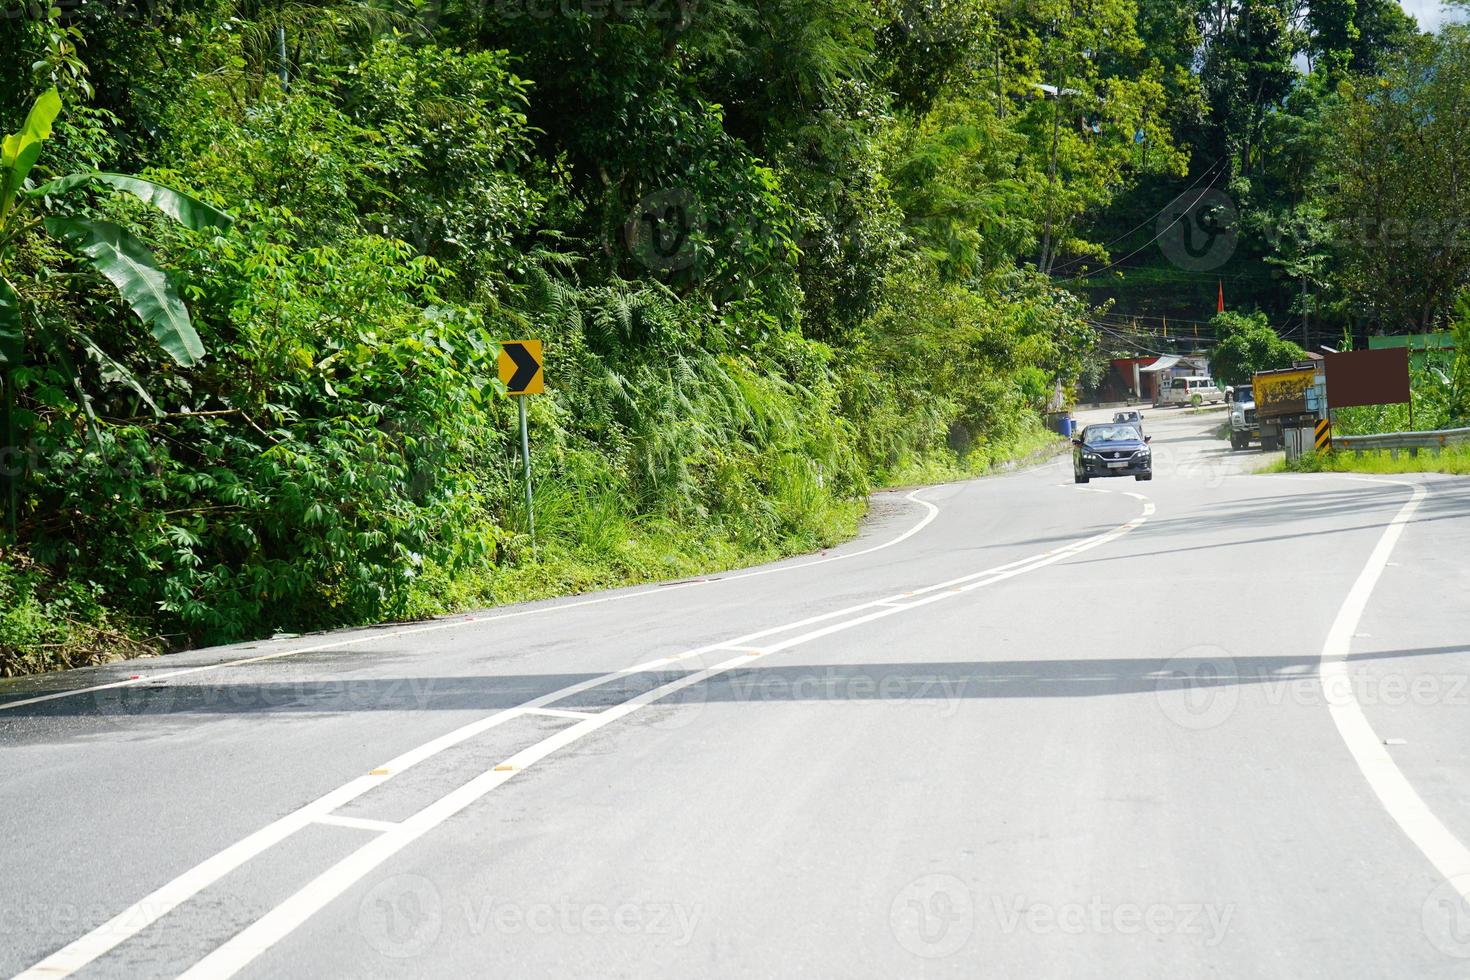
(1220, 306)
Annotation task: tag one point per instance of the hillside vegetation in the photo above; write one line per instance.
(257, 258)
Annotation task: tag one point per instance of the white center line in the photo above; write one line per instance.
(239, 951)
(931, 512)
(236, 953)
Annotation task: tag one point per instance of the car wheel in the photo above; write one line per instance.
(1143, 476)
(1079, 478)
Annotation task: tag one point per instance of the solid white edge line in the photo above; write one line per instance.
(151, 908)
(471, 619)
(1434, 840)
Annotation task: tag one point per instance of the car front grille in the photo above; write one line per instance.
(1250, 415)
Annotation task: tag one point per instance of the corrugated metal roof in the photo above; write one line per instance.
(1162, 364)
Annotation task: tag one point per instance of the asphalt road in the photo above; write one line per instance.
(1210, 725)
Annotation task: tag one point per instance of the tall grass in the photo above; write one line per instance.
(1452, 459)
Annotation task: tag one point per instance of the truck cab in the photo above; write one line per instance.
(1244, 427)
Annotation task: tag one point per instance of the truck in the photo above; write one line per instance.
(1281, 401)
(1244, 427)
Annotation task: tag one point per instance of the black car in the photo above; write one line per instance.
(1111, 449)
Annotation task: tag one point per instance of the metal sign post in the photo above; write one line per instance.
(526, 460)
(519, 367)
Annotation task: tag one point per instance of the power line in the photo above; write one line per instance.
(1134, 341)
(1132, 317)
(1162, 232)
(1152, 217)
(1186, 274)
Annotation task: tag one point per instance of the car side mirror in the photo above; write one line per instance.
(1076, 442)
(1148, 438)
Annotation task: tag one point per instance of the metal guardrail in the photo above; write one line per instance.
(1412, 441)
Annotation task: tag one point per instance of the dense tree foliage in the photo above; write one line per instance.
(780, 252)
(1247, 344)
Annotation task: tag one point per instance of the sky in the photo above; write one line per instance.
(1430, 13)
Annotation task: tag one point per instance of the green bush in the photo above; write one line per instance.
(345, 454)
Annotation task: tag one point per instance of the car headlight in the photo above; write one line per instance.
(1237, 417)
(1090, 457)
(1144, 452)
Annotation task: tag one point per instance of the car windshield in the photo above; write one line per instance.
(1111, 433)
(1244, 394)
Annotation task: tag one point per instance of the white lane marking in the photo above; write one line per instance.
(561, 713)
(150, 909)
(244, 947)
(1444, 850)
(357, 823)
(139, 916)
(931, 512)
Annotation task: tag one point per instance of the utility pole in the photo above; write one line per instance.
(281, 55)
(1306, 325)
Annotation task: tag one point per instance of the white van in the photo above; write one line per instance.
(1184, 391)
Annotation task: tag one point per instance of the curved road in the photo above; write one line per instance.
(1214, 724)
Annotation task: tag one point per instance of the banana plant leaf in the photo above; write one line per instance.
(188, 211)
(19, 151)
(126, 262)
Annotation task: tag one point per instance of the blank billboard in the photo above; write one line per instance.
(1368, 377)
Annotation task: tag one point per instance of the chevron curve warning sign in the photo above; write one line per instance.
(519, 367)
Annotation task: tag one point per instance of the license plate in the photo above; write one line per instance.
(1118, 465)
